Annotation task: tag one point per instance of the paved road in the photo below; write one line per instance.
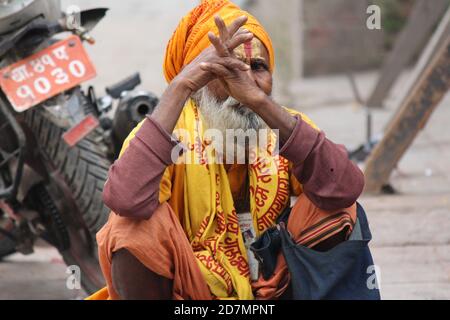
(411, 237)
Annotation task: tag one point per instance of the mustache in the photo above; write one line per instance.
(227, 114)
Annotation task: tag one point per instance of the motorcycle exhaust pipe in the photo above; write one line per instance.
(133, 107)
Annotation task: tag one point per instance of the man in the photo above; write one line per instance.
(176, 227)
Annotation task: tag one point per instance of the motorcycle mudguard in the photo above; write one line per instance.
(90, 18)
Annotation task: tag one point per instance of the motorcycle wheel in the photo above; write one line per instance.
(81, 173)
(7, 247)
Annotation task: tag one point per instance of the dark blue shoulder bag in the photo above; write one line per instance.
(346, 272)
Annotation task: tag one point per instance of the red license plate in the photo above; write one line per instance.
(43, 75)
(80, 130)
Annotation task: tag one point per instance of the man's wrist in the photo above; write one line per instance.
(181, 85)
(258, 100)
(275, 116)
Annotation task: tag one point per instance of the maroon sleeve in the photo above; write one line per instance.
(329, 178)
(132, 188)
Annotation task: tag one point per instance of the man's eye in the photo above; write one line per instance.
(259, 66)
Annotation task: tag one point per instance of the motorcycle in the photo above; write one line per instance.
(57, 140)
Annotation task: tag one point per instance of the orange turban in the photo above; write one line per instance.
(191, 36)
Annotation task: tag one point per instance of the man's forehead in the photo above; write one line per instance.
(253, 49)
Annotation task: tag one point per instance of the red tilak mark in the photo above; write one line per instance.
(81, 130)
(248, 49)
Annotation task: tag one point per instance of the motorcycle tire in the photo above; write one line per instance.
(7, 244)
(7, 247)
(83, 170)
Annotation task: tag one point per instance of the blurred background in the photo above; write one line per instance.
(321, 45)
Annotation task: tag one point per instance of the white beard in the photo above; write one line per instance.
(229, 114)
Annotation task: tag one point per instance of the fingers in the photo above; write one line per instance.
(222, 51)
(239, 39)
(236, 25)
(216, 69)
(227, 32)
(236, 41)
(223, 30)
(229, 37)
(242, 31)
(232, 63)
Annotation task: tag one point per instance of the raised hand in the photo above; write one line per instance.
(238, 81)
(195, 77)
